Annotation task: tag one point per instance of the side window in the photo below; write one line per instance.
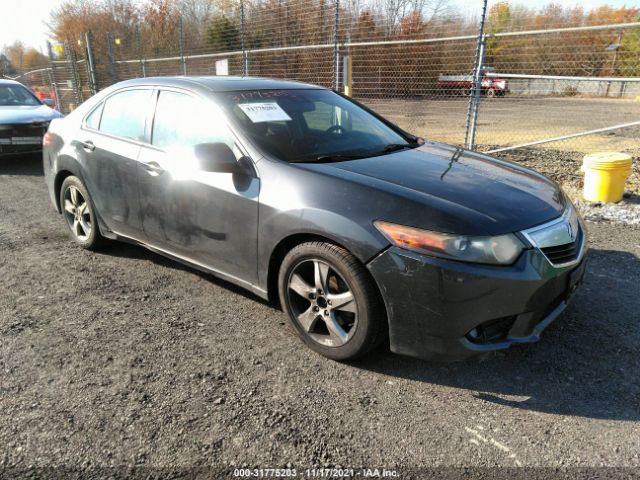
(184, 120)
(124, 114)
(93, 119)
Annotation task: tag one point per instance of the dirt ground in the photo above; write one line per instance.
(125, 361)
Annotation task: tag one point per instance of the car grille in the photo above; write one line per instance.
(568, 252)
(562, 241)
(24, 130)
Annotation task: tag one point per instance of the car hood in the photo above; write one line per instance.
(455, 190)
(27, 114)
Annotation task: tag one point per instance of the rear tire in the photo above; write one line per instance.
(331, 301)
(79, 213)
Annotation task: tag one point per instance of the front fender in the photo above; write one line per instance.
(63, 165)
(363, 241)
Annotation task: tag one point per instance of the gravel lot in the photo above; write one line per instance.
(124, 359)
(564, 167)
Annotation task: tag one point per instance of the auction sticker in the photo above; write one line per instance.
(264, 112)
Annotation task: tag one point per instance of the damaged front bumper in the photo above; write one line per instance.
(447, 310)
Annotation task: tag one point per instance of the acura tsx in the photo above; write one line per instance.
(360, 231)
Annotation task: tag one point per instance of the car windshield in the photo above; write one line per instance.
(16, 95)
(309, 125)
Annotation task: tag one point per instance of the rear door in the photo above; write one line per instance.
(109, 145)
(208, 218)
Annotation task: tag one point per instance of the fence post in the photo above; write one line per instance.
(72, 64)
(112, 61)
(477, 93)
(347, 77)
(474, 96)
(52, 76)
(245, 57)
(336, 53)
(91, 66)
(182, 59)
(143, 67)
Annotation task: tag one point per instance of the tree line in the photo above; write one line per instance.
(18, 57)
(161, 28)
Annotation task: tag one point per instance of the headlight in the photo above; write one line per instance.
(500, 250)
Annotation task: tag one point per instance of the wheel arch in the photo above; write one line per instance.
(65, 166)
(280, 251)
(60, 177)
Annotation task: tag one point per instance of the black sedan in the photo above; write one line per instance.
(361, 231)
(23, 119)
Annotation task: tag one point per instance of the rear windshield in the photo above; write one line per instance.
(16, 95)
(307, 125)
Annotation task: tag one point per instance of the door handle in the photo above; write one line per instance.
(153, 168)
(88, 146)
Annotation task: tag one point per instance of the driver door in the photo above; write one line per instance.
(207, 218)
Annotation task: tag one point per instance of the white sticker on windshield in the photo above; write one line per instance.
(264, 112)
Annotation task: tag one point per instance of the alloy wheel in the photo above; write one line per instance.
(77, 213)
(322, 302)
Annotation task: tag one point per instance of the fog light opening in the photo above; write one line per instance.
(474, 334)
(492, 331)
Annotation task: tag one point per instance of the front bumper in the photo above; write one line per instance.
(446, 310)
(10, 150)
(22, 138)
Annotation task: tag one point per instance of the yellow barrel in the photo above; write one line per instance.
(605, 176)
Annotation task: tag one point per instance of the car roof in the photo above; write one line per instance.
(6, 81)
(222, 83)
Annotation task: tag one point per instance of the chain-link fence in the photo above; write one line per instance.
(568, 83)
(40, 81)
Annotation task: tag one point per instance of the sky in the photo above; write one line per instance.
(24, 19)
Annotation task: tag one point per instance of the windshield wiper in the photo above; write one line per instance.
(394, 147)
(337, 158)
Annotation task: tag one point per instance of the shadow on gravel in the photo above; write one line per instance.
(586, 363)
(134, 251)
(26, 165)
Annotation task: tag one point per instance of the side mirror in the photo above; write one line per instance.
(48, 102)
(216, 157)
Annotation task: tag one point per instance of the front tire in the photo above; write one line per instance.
(79, 213)
(331, 301)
